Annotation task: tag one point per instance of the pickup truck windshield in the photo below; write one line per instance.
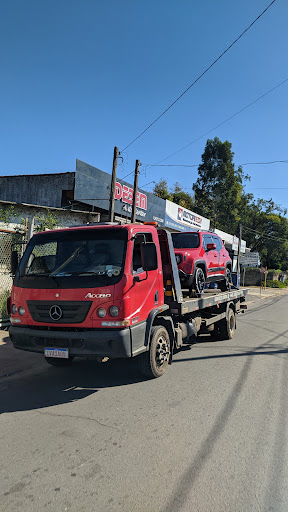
(185, 240)
(77, 258)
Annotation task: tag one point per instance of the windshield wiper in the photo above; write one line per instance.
(73, 255)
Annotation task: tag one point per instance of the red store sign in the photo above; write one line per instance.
(125, 194)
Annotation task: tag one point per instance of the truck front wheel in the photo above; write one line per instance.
(154, 362)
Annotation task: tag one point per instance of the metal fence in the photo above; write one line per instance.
(8, 242)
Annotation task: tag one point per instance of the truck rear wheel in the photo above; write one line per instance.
(225, 329)
(154, 362)
(55, 361)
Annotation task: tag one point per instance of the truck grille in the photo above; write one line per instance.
(72, 312)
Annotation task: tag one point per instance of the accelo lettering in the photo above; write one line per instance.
(125, 194)
(97, 295)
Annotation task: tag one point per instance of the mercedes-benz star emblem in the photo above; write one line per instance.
(55, 312)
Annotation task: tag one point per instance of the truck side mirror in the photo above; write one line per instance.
(149, 256)
(211, 247)
(14, 262)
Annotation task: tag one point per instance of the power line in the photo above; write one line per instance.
(200, 76)
(220, 124)
(266, 163)
(269, 188)
(265, 236)
(197, 165)
(127, 175)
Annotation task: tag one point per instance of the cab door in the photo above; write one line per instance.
(222, 256)
(212, 256)
(146, 292)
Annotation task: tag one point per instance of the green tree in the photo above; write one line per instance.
(219, 193)
(161, 189)
(7, 214)
(179, 196)
(265, 229)
(176, 194)
(47, 220)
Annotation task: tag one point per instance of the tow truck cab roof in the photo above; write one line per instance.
(102, 225)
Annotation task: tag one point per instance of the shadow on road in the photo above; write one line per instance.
(179, 497)
(41, 385)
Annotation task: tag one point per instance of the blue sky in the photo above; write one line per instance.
(78, 78)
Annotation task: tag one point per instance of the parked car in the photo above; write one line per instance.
(201, 258)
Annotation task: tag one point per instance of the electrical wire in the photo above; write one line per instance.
(128, 175)
(220, 124)
(200, 76)
(265, 236)
(197, 165)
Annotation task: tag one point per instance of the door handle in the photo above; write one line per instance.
(215, 255)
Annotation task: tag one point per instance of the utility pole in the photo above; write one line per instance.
(238, 256)
(30, 230)
(113, 183)
(133, 216)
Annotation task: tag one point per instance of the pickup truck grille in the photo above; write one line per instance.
(72, 312)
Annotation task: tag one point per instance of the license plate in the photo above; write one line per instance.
(61, 353)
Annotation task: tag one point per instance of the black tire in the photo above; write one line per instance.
(199, 281)
(55, 361)
(154, 363)
(225, 329)
(225, 284)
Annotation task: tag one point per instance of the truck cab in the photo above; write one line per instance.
(87, 290)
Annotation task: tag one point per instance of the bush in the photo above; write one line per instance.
(275, 284)
(3, 299)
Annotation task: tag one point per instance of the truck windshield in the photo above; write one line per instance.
(185, 240)
(77, 258)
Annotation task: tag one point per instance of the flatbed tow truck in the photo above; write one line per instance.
(111, 291)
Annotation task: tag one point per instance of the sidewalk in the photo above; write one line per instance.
(256, 294)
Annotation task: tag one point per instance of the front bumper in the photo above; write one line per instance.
(112, 343)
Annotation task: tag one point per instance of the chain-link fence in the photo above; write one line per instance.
(8, 242)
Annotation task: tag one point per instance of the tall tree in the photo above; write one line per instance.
(161, 189)
(219, 190)
(176, 194)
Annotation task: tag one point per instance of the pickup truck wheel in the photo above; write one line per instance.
(225, 285)
(55, 361)
(199, 282)
(154, 362)
(225, 329)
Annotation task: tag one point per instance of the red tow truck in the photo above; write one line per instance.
(110, 290)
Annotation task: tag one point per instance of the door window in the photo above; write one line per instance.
(218, 243)
(140, 238)
(207, 239)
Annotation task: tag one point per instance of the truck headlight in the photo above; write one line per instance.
(21, 311)
(113, 310)
(101, 312)
(14, 309)
(178, 259)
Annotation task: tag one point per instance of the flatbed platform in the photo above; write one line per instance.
(210, 298)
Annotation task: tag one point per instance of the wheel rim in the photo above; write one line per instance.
(231, 323)
(162, 351)
(228, 276)
(200, 280)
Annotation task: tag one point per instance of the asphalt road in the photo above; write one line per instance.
(208, 436)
